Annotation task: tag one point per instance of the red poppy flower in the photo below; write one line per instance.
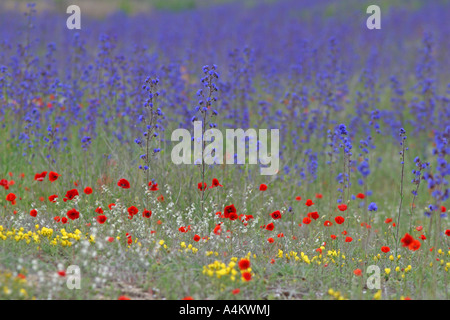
(73, 214)
(407, 240)
(4, 184)
(360, 196)
(388, 220)
(40, 176)
(133, 210)
(62, 273)
(348, 239)
(196, 238)
(313, 215)
(57, 219)
(110, 239)
(263, 187)
(298, 198)
(99, 210)
(52, 198)
(327, 223)
(53, 176)
(276, 215)
(280, 235)
(188, 298)
(146, 213)
(443, 209)
(344, 232)
(233, 216)
(270, 226)
(247, 276)
(160, 198)
(385, 249)
(357, 272)
(333, 237)
(111, 205)
(123, 183)
(201, 186)
(153, 186)
(72, 194)
(244, 264)
(11, 197)
(342, 207)
(339, 220)
(101, 219)
(447, 232)
(64, 220)
(88, 190)
(415, 245)
(270, 240)
(309, 202)
(217, 229)
(422, 236)
(123, 298)
(235, 291)
(215, 183)
(228, 210)
(319, 196)
(306, 220)
(33, 213)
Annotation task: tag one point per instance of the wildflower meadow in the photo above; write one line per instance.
(224, 150)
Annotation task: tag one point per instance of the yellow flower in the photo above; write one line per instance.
(280, 253)
(377, 296)
(387, 270)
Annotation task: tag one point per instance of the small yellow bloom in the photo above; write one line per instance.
(377, 296)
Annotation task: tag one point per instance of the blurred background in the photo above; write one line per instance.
(104, 7)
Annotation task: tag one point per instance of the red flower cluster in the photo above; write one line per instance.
(40, 176)
(71, 194)
(410, 242)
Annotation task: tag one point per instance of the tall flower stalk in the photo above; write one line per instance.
(151, 117)
(206, 113)
(402, 154)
